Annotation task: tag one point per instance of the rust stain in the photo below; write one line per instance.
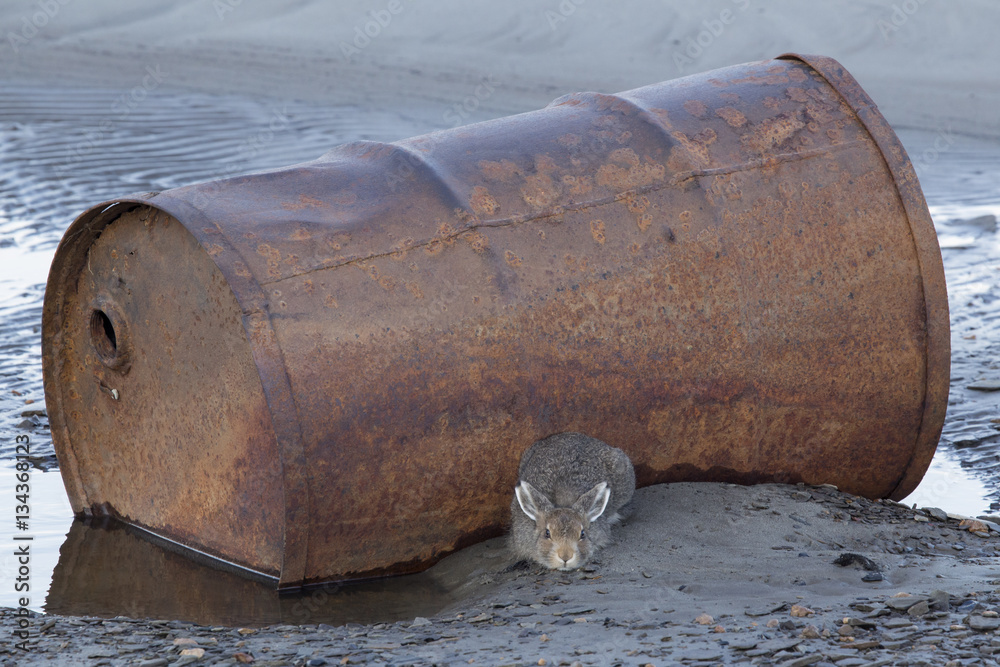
(511, 258)
(772, 133)
(597, 231)
(483, 203)
(696, 108)
(540, 191)
(504, 171)
(733, 117)
(304, 201)
(478, 241)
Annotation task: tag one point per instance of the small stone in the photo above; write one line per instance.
(481, 618)
(419, 621)
(764, 611)
(313, 662)
(990, 614)
(246, 631)
(743, 643)
(799, 611)
(901, 604)
(775, 645)
(773, 623)
(983, 623)
(920, 517)
(704, 619)
(243, 658)
(803, 661)
(936, 513)
(872, 577)
(698, 655)
(984, 385)
(810, 632)
(919, 609)
(940, 600)
(185, 641)
(198, 653)
(845, 631)
(155, 662)
(974, 526)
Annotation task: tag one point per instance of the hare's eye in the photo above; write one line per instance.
(583, 534)
(548, 535)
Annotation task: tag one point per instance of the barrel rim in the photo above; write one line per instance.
(937, 358)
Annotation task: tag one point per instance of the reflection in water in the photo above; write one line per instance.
(111, 571)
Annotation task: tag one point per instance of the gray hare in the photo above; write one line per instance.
(570, 490)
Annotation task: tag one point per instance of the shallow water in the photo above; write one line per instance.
(62, 150)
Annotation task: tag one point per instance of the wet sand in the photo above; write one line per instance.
(288, 93)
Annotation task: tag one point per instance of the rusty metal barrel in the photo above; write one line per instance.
(329, 371)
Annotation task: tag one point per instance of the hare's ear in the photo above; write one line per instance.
(533, 503)
(593, 503)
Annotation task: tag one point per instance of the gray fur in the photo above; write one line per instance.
(563, 473)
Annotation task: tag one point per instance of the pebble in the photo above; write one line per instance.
(803, 661)
(936, 513)
(902, 603)
(939, 600)
(983, 623)
(800, 611)
(984, 385)
(698, 655)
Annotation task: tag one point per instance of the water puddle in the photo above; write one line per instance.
(63, 150)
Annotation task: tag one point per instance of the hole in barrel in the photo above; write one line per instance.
(102, 333)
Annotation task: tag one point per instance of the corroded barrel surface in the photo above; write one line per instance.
(330, 371)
